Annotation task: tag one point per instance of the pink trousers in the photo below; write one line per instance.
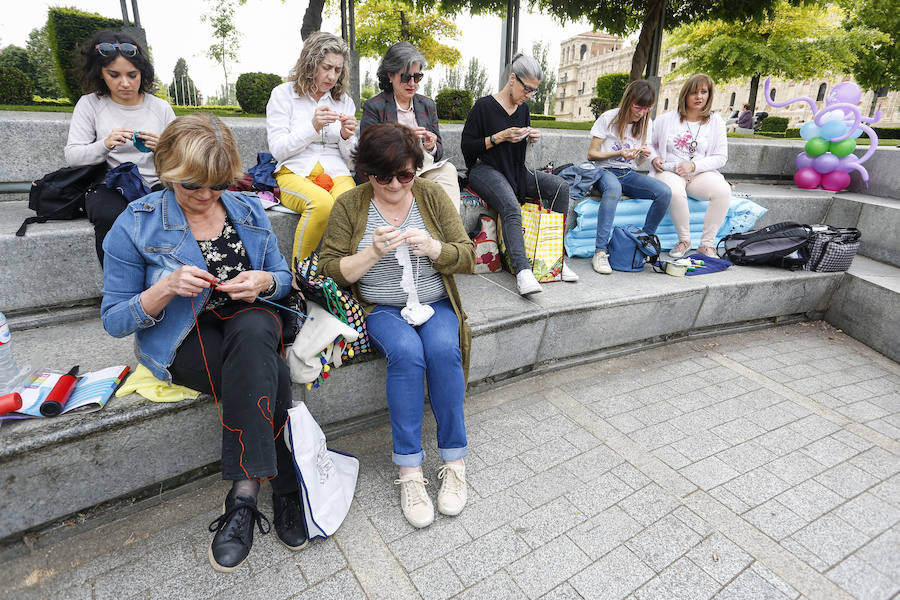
(709, 185)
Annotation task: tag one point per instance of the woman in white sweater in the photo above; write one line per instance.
(310, 124)
(691, 144)
(117, 121)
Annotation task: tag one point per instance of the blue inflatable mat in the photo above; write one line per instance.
(580, 240)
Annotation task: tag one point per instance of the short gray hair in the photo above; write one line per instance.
(399, 58)
(526, 66)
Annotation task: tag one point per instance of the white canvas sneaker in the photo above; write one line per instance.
(414, 500)
(568, 274)
(526, 283)
(600, 262)
(454, 491)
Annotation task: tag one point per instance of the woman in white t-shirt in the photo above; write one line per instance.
(118, 120)
(691, 145)
(619, 143)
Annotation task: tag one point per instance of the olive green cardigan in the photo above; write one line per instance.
(347, 224)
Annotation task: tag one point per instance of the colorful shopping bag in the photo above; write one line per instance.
(543, 231)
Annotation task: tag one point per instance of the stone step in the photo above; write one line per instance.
(136, 443)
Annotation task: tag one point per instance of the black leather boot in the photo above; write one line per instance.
(289, 522)
(234, 533)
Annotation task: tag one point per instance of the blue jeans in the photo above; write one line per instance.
(430, 349)
(637, 185)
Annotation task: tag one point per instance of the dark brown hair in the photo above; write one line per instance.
(90, 69)
(387, 148)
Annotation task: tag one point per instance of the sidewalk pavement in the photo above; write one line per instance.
(764, 464)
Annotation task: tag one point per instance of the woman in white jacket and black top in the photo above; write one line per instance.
(691, 144)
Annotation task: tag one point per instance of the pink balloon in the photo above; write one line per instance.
(826, 163)
(803, 160)
(808, 178)
(836, 180)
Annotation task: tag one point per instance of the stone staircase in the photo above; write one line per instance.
(49, 288)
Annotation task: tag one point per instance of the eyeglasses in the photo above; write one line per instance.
(405, 77)
(193, 187)
(528, 90)
(108, 48)
(403, 177)
(641, 109)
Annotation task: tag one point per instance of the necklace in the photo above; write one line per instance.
(387, 217)
(692, 146)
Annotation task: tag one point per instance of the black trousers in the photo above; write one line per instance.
(103, 206)
(242, 347)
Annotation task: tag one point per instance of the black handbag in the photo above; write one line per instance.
(60, 194)
(784, 245)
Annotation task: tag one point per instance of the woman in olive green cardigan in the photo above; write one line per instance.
(398, 227)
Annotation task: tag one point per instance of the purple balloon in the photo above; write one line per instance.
(807, 178)
(845, 92)
(826, 163)
(803, 160)
(835, 181)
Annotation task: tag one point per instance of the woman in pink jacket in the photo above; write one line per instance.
(691, 144)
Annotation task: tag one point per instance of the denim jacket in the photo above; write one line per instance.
(151, 239)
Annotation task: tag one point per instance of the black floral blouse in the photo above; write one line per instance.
(225, 257)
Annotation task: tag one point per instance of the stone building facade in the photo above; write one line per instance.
(586, 56)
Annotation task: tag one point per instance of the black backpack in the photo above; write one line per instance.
(60, 194)
(784, 245)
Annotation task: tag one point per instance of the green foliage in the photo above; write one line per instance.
(476, 79)
(366, 92)
(15, 87)
(598, 107)
(253, 90)
(878, 58)
(453, 104)
(182, 90)
(67, 28)
(886, 133)
(15, 57)
(540, 117)
(543, 98)
(792, 132)
(379, 25)
(43, 66)
(225, 35)
(610, 88)
(773, 123)
(38, 100)
(453, 80)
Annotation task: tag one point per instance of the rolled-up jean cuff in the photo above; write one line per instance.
(450, 454)
(408, 460)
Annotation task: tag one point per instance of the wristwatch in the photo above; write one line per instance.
(493, 143)
(271, 289)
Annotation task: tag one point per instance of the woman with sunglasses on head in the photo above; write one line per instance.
(493, 145)
(117, 121)
(399, 75)
(397, 241)
(310, 123)
(691, 144)
(619, 143)
(185, 269)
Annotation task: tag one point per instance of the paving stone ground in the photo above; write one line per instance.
(760, 465)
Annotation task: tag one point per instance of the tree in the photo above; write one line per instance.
(379, 25)
(17, 58)
(429, 85)
(878, 58)
(475, 79)
(226, 36)
(795, 42)
(43, 64)
(453, 80)
(543, 97)
(182, 89)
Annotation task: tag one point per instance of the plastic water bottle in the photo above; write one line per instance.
(8, 369)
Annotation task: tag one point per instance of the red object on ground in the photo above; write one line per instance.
(10, 403)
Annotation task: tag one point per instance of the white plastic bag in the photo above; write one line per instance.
(326, 479)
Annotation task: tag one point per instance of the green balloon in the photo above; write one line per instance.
(817, 146)
(843, 148)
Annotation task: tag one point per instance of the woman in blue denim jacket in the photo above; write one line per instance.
(183, 269)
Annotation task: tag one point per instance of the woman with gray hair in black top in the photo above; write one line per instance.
(492, 144)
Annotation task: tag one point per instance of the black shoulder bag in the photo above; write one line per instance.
(60, 194)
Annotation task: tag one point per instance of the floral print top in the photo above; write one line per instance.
(225, 257)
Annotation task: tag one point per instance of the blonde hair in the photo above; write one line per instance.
(638, 92)
(197, 149)
(316, 47)
(690, 86)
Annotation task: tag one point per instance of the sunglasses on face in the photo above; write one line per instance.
(528, 90)
(405, 77)
(108, 49)
(402, 177)
(641, 109)
(193, 187)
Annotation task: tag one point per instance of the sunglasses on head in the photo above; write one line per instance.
(402, 177)
(108, 48)
(194, 186)
(405, 77)
(528, 90)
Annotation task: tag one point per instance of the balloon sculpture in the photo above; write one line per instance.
(831, 139)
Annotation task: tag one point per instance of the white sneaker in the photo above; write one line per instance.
(680, 249)
(454, 491)
(527, 283)
(600, 262)
(414, 500)
(568, 274)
